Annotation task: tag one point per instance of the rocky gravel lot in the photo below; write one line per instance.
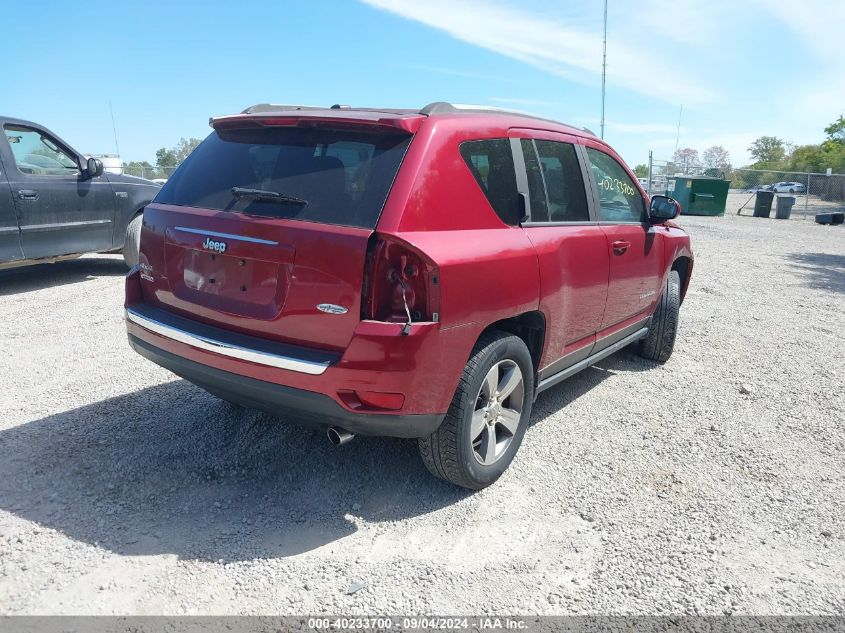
(713, 484)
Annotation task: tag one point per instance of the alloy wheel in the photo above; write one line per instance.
(498, 410)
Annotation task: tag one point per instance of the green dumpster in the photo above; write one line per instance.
(699, 195)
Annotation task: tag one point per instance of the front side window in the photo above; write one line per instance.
(37, 154)
(619, 198)
(491, 163)
(311, 174)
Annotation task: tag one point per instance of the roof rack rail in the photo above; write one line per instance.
(437, 107)
(275, 107)
(442, 107)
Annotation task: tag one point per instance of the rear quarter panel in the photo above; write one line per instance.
(486, 275)
(488, 269)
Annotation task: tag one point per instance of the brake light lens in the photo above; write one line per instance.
(401, 281)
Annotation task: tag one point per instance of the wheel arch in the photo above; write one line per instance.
(530, 327)
(683, 265)
(129, 218)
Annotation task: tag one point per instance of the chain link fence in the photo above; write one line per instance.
(813, 192)
(661, 171)
(150, 173)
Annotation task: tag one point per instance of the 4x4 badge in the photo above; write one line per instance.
(331, 308)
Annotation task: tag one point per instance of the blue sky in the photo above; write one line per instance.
(741, 68)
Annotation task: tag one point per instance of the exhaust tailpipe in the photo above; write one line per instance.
(339, 436)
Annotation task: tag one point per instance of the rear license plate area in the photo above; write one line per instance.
(237, 279)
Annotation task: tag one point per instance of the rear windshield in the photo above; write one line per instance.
(323, 175)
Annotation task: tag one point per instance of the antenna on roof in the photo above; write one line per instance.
(114, 128)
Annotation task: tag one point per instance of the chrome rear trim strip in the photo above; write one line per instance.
(228, 236)
(227, 349)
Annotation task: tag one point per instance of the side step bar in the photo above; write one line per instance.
(551, 381)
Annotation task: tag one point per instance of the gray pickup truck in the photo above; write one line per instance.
(56, 203)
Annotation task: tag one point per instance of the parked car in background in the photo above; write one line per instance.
(757, 188)
(788, 187)
(410, 273)
(56, 203)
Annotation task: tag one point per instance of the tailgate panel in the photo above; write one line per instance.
(257, 276)
(249, 277)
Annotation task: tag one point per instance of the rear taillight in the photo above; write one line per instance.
(400, 281)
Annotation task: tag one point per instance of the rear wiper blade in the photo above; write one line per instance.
(262, 194)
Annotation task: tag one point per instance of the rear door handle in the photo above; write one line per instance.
(27, 194)
(620, 247)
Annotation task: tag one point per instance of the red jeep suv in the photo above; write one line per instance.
(419, 274)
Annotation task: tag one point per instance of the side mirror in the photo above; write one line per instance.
(93, 168)
(663, 208)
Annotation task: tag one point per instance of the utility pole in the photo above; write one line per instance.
(678, 136)
(603, 67)
(650, 167)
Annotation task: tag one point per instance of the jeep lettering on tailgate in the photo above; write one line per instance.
(217, 247)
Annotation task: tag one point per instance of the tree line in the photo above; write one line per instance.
(715, 161)
(166, 160)
(775, 154)
(769, 153)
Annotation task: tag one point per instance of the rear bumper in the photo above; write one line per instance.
(231, 344)
(299, 406)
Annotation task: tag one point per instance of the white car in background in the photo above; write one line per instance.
(789, 187)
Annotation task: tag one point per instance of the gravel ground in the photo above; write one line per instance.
(713, 484)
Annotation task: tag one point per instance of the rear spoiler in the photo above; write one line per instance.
(324, 117)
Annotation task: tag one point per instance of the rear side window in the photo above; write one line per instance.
(555, 182)
(491, 162)
(536, 186)
(320, 175)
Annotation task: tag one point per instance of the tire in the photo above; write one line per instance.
(451, 452)
(658, 343)
(132, 245)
